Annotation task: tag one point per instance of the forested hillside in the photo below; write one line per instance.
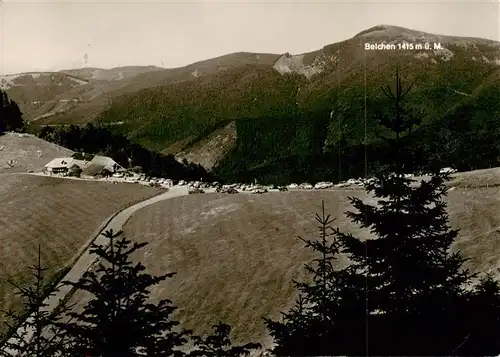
(315, 116)
(11, 117)
(189, 111)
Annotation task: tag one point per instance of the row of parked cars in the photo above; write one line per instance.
(199, 186)
(324, 185)
(259, 189)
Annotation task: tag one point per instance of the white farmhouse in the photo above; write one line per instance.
(91, 165)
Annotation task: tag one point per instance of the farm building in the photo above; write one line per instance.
(91, 165)
(59, 165)
(92, 170)
(95, 170)
(107, 163)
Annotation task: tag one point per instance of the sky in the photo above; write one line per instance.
(41, 35)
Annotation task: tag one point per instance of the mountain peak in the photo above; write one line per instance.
(391, 33)
(390, 30)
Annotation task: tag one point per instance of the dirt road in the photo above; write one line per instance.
(86, 260)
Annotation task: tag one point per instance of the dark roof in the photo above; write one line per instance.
(82, 156)
(92, 169)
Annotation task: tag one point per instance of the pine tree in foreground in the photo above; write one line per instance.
(302, 328)
(417, 290)
(329, 310)
(119, 320)
(32, 333)
(219, 345)
(405, 292)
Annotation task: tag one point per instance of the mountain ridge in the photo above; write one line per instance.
(307, 63)
(191, 111)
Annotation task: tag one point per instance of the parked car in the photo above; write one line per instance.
(371, 180)
(226, 190)
(282, 188)
(293, 186)
(195, 190)
(352, 181)
(321, 185)
(447, 170)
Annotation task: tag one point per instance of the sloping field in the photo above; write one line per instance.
(27, 152)
(236, 255)
(477, 178)
(477, 213)
(59, 214)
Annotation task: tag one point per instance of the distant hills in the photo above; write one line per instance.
(54, 94)
(45, 94)
(192, 111)
(113, 74)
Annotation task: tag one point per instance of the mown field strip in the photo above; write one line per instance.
(236, 255)
(58, 214)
